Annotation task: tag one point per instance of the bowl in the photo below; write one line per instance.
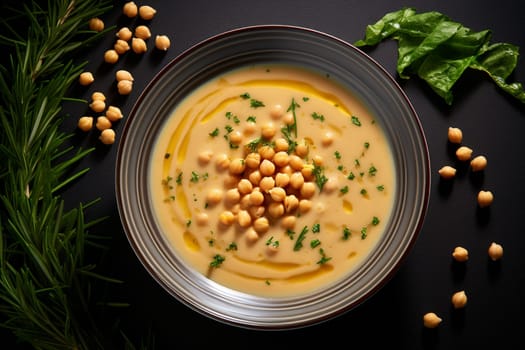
(249, 46)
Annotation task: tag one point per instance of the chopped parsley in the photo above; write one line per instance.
(363, 233)
(251, 119)
(356, 121)
(299, 242)
(346, 233)
(316, 228)
(314, 243)
(344, 190)
(217, 260)
(245, 96)
(214, 133)
(231, 246)
(320, 177)
(323, 259)
(317, 116)
(256, 103)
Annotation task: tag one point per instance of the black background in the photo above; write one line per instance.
(492, 123)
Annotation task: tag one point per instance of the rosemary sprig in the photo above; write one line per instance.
(45, 279)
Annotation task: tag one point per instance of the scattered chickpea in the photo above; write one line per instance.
(222, 162)
(276, 210)
(138, 45)
(97, 106)
(459, 299)
(86, 78)
(204, 157)
(296, 162)
(236, 137)
(291, 202)
(253, 160)
(495, 251)
(232, 196)
(282, 180)
(214, 196)
(278, 194)
(130, 9)
(460, 254)
(226, 218)
(276, 111)
(124, 87)
(288, 222)
(244, 219)
(288, 119)
(301, 149)
(485, 198)
(124, 33)
(107, 136)
(103, 123)
(162, 42)
(111, 56)
(121, 46)
(256, 198)
(305, 206)
(122, 74)
(147, 12)
(143, 32)
(96, 24)
(251, 236)
(202, 219)
(255, 177)
(447, 172)
(268, 130)
(261, 225)
(114, 113)
(245, 186)
(281, 145)
(431, 320)
(307, 190)
(237, 166)
(85, 123)
(463, 153)
(478, 163)
(455, 135)
(267, 183)
(97, 95)
(267, 167)
(328, 139)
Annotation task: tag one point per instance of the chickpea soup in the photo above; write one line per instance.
(272, 180)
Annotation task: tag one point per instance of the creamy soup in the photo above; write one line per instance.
(272, 180)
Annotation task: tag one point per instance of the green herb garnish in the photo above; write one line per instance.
(317, 116)
(439, 50)
(320, 177)
(355, 120)
(299, 242)
(217, 260)
(256, 103)
(214, 133)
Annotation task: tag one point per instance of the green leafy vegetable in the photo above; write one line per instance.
(439, 50)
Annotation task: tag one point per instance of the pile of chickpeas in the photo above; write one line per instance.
(127, 39)
(267, 185)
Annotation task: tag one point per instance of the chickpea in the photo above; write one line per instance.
(103, 123)
(162, 42)
(278, 194)
(124, 33)
(114, 113)
(250, 128)
(267, 183)
(460, 254)
(130, 9)
(281, 158)
(307, 190)
(86, 78)
(256, 211)
(318, 160)
(288, 119)
(122, 74)
(147, 12)
(256, 198)
(291, 202)
(244, 219)
(121, 46)
(327, 139)
(97, 95)
(281, 145)
(231, 181)
(202, 219)
(97, 105)
(232, 196)
(138, 45)
(275, 210)
(331, 185)
(85, 123)
(107, 136)
(296, 180)
(287, 169)
(261, 225)
(308, 171)
(236, 137)
(282, 179)
(226, 218)
(288, 222)
(296, 162)
(266, 152)
(463, 153)
(245, 186)
(276, 111)
(268, 130)
(305, 205)
(447, 172)
(204, 157)
(459, 299)
(478, 163)
(237, 166)
(111, 56)
(431, 320)
(125, 87)
(301, 149)
(251, 236)
(255, 177)
(495, 251)
(455, 135)
(485, 198)
(222, 162)
(143, 32)
(266, 168)
(214, 196)
(253, 160)
(96, 24)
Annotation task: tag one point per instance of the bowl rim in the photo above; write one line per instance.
(393, 269)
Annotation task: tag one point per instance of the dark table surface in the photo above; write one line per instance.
(492, 123)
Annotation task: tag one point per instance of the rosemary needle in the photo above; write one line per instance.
(45, 277)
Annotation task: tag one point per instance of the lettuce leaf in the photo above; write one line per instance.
(438, 50)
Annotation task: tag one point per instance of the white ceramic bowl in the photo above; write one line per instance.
(272, 44)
